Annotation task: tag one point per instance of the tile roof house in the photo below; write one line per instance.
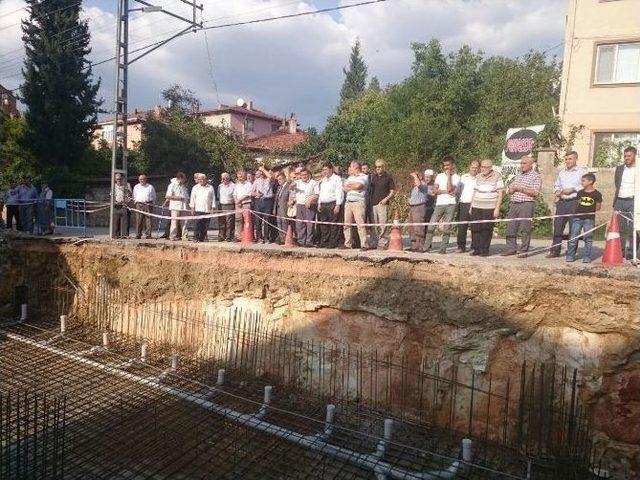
(244, 120)
(8, 101)
(278, 146)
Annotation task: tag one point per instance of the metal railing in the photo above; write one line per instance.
(70, 213)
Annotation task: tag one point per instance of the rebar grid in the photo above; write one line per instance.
(124, 431)
(540, 425)
(32, 427)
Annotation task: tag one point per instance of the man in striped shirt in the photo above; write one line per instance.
(524, 189)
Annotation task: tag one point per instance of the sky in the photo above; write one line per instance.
(291, 65)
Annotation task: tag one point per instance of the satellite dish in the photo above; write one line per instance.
(240, 102)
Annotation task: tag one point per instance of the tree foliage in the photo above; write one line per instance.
(355, 78)
(346, 132)
(374, 85)
(179, 139)
(15, 161)
(180, 100)
(458, 104)
(58, 89)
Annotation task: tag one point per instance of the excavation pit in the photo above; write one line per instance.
(437, 344)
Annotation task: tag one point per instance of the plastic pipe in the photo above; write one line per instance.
(143, 353)
(267, 394)
(174, 361)
(328, 421)
(23, 312)
(105, 340)
(382, 444)
(63, 324)
(467, 449)
(220, 380)
(265, 402)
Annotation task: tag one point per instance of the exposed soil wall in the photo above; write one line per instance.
(490, 317)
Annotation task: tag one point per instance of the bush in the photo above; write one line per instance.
(541, 228)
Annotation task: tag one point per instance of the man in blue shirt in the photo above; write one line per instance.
(566, 188)
(27, 196)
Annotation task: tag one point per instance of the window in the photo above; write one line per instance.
(107, 133)
(608, 147)
(248, 124)
(618, 63)
(275, 127)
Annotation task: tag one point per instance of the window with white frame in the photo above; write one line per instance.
(107, 133)
(608, 147)
(618, 63)
(249, 124)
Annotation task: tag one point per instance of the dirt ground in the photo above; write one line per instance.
(492, 314)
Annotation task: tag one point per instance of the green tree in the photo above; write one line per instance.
(355, 78)
(58, 89)
(180, 100)
(429, 61)
(374, 85)
(344, 137)
(459, 104)
(515, 93)
(314, 144)
(15, 161)
(180, 140)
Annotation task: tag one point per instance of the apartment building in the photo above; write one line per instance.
(601, 78)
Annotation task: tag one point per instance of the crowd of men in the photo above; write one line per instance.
(352, 210)
(28, 209)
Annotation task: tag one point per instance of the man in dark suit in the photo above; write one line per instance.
(281, 204)
(624, 180)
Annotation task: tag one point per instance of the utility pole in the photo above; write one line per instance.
(119, 152)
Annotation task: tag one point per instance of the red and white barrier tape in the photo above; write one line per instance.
(343, 224)
(425, 224)
(184, 217)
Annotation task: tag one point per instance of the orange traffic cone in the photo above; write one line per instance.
(612, 255)
(247, 231)
(288, 239)
(395, 237)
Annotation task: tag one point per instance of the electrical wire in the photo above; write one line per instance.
(234, 24)
(294, 15)
(209, 57)
(259, 20)
(12, 12)
(40, 14)
(14, 61)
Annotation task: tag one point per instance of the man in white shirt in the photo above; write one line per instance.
(242, 198)
(355, 188)
(202, 202)
(144, 196)
(445, 187)
(226, 223)
(178, 197)
(330, 199)
(566, 188)
(121, 197)
(466, 187)
(13, 206)
(306, 199)
(624, 180)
